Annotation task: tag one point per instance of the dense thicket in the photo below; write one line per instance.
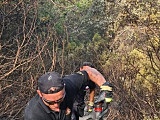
(120, 37)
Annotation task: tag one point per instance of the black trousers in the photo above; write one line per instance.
(75, 115)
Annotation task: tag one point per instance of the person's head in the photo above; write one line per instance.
(86, 64)
(51, 89)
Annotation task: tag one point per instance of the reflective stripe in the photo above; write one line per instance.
(108, 99)
(106, 88)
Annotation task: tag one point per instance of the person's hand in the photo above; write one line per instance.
(106, 93)
(90, 107)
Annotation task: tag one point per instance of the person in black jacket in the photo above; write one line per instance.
(55, 95)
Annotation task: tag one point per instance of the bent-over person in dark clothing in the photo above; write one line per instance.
(79, 104)
(55, 96)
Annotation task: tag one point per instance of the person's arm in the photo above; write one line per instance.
(91, 95)
(91, 100)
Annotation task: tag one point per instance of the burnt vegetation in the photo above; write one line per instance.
(122, 40)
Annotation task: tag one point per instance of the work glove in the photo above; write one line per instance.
(106, 93)
(90, 106)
